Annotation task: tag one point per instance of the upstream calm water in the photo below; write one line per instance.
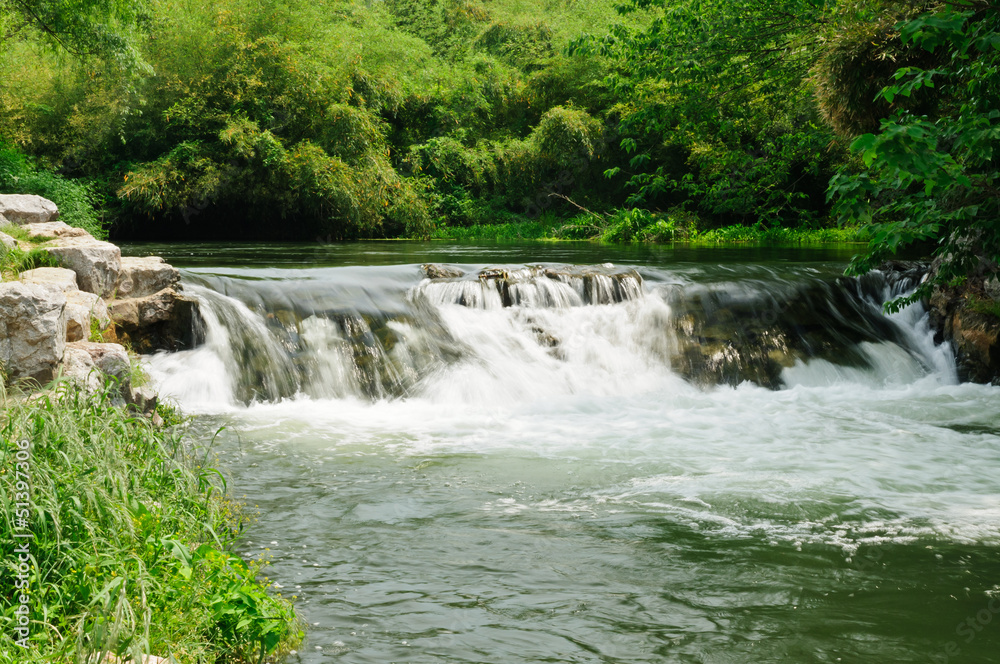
(441, 478)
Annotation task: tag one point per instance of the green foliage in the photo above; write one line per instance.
(104, 29)
(933, 178)
(75, 199)
(715, 112)
(15, 260)
(130, 541)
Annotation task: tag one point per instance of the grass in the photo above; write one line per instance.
(984, 306)
(131, 543)
(16, 260)
(643, 227)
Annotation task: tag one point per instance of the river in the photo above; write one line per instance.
(595, 472)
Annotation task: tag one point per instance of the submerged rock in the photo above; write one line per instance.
(731, 336)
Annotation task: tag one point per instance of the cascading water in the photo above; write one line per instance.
(560, 329)
(637, 462)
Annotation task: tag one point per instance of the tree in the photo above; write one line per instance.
(105, 29)
(715, 109)
(933, 177)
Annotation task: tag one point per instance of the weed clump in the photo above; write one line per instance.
(130, 538)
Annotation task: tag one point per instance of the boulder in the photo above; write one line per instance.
(976, 338)
(166, 320)
(79, 366)
(81, 309)
(143, 399)
(32, 330)
(7, 241)
(438, 271)
(54, 229)
(27, 209)
(97, 264)
(141, 277)
(4, 221)
(58, 278)
(111, 359)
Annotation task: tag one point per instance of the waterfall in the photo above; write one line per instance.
(520, 333)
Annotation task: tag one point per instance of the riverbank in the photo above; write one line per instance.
(633, 227)
(118, 535)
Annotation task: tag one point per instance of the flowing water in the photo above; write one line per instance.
(666, 456)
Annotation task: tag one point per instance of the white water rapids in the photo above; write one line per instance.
(434, 424)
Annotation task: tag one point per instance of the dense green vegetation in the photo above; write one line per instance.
(288, 119)
(131, 540)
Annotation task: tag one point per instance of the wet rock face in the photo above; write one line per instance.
(725, 337)
(595, 284)
(166, 320)
(438, 271)
(533, 285)
(969, 318)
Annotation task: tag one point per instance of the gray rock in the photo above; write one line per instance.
(4, 221)
(438, 271)
(55, 229)
(7, 241)
(32, 330)
(143, 399)
(97, 264)
(27, 209)
(79, 366)
(81, 309)
(992, 288)
(58, 278)
(141, 277)
(166, 320)
(111, 359)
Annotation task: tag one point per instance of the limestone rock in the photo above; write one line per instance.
(79, 365)
(7, 241)
(166, 320)
(58, 278)
(81, 309)
(4, 221)
(32, 330)
(438, 271)
(54, 229)
(97, 264)
(27, 209)
(111, 359)
(143, 399)
(145, 276)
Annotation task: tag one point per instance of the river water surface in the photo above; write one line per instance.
(440, 478)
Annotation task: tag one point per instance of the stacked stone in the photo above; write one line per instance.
(47, 315)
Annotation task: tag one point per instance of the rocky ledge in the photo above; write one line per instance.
(77, 319)
(968, 316)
